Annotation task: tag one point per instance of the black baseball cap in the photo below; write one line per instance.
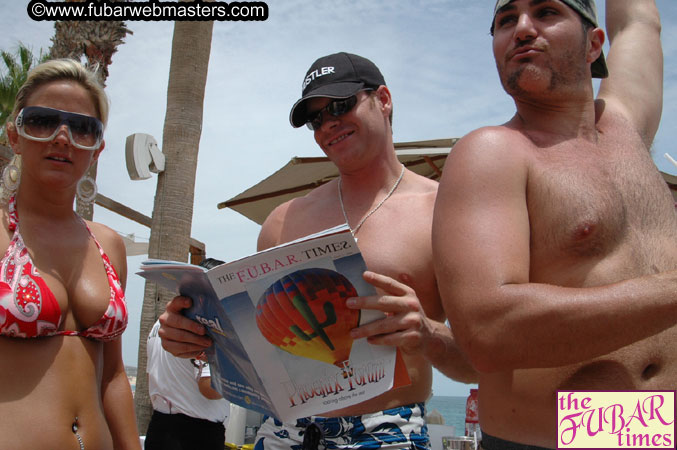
(340, 75)
(588, 11)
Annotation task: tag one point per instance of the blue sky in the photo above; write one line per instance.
(435, 56)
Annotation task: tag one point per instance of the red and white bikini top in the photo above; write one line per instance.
(28, 307)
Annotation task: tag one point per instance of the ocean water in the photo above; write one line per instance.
(451, 408)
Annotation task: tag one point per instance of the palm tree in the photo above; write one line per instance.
(173, 208)
(12, 76)
(97, 42)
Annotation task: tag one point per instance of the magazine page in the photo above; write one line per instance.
(233, 374)
(173, 274)
(287, 306)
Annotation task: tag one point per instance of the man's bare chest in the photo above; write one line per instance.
(588, 202)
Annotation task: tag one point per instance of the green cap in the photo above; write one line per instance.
(587, 10)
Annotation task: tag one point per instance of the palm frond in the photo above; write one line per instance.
(13, 73)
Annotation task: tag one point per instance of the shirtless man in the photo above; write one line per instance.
(566, 228)
(347, 104)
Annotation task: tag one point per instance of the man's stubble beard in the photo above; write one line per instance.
(566, 77)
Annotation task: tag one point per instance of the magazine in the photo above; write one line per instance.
(280, 326)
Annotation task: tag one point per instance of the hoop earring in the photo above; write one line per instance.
(86, 191)
(11, 176)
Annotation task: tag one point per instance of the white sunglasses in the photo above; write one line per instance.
(42, 124)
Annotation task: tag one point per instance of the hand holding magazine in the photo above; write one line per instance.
(281, 329)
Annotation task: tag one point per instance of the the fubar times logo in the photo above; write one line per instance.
(616, 419)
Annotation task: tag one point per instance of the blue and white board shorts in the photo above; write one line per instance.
(397, 428)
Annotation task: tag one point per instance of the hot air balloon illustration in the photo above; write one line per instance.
(304, 313)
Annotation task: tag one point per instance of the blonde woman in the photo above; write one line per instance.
(62, 307)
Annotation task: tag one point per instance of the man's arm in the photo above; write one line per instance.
(481, 246)
(271, 230)
(407, 326)
(203, 375)
(204, 384)
(181, 336)
(444, 354)
(635, 62)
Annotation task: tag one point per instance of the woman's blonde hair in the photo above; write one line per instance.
(68, 70)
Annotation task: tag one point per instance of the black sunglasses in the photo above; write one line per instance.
(335, 108)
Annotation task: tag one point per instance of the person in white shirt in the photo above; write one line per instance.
(187, 412)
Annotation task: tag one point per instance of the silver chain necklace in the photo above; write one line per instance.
(343, 208)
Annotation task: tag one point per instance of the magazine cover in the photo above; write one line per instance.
(281, 328)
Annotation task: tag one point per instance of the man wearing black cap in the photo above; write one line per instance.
(567, 230)
(346, 102)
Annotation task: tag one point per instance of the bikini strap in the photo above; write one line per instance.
(106, 261)
(13, 216)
